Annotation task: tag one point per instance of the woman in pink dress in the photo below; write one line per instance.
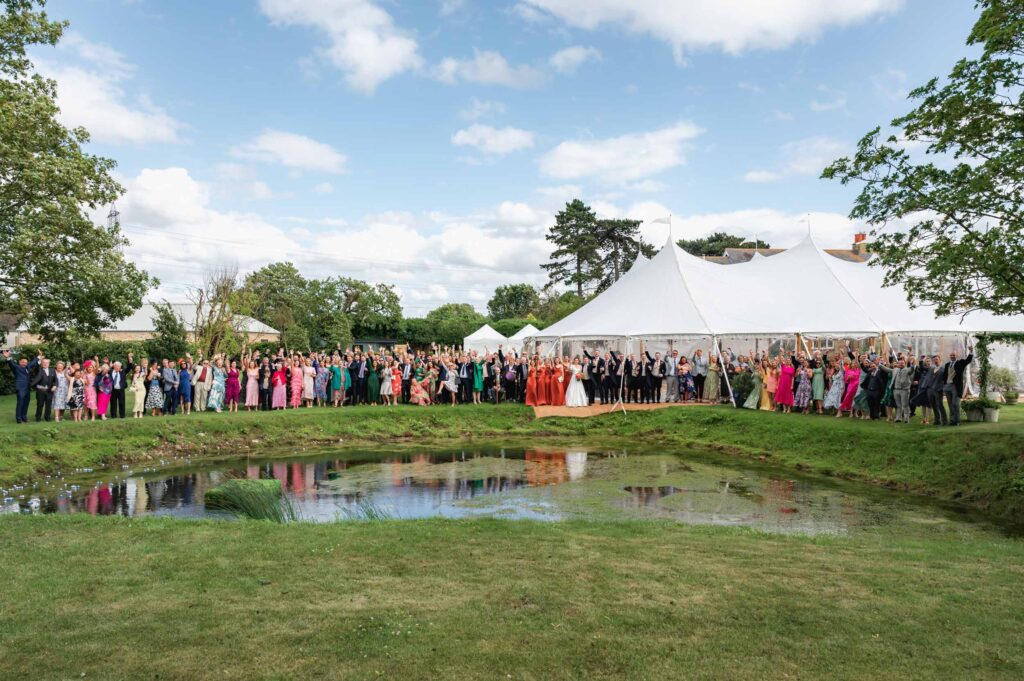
(851, 378)
(296, 381)
(90, 389)
(784, 391)
(279, 380)
(771, 382)
(103, 386)
(232, 387)
(252, 386)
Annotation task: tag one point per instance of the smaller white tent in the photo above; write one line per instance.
(516, 341)
(484, 338)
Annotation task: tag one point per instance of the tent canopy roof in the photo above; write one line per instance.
(802, 290)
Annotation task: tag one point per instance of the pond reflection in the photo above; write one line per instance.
(545, 484)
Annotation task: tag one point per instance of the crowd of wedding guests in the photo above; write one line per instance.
(840, 383)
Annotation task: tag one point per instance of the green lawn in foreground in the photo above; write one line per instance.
(977, 464)
(114, 598)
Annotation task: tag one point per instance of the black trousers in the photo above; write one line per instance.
(698, 385)
(358, 390)
(874, 398)
(588, 387)
(266, 396)
(406, 390)
(116, 408)
(939, 409)
(464, 389)
(511, 390)
(44, 402)
(656, 388)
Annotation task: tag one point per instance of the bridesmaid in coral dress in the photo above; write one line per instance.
(543, 378)
(531, 385)
(556, 393)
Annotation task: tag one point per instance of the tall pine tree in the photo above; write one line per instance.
(619, 244)
(575, 260)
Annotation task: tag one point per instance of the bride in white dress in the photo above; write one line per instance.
(576, 396)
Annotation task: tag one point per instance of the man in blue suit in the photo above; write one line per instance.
(22, 371)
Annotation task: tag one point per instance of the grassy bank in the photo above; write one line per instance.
(115, 598)
(979, 464)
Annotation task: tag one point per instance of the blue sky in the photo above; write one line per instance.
(428, 144)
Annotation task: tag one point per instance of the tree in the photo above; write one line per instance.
(171, 339)
(963, 198)
(375, 309)
(58, 270)
(276, 294)
(513, 300)
(620, 244)
(555, 306)
(574, 259)
(218, 325)
(512, 326)
(716, 244)
(452, 322)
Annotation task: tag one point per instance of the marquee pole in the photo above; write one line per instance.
(725, 374)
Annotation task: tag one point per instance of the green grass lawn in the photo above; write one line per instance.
(118, 598)
(114, 598)
(977, 464)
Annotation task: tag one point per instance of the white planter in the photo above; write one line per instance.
(975, 415)
(992, 415)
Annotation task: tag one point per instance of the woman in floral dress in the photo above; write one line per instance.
(76, 396)
(219, 387)
(834, 394)
(323, 375)
(60, 396)
(804, 390)
(89, 379)
(155, 396)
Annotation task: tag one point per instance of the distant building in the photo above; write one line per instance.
(139, 326)
(858, 252)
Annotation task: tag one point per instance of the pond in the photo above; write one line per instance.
(541, 484)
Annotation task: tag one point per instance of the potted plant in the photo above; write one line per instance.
(1010, 396)
(981, 409)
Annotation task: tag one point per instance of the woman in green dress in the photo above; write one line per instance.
(373, 384)
(755, 391)
(818, 385)
(478, 379)
(337, 385)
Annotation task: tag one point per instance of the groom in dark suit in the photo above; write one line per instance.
(45, 384)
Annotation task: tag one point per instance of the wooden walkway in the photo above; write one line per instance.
(598, 409)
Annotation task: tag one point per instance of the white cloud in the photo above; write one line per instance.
(111, 62)
(92, 94)
(760, 176)
(178, 235)
(807, 156)
(488, 68)
(732, 26)
(363, 41)
(490, 140)
(478, 109)
(293, 151)
(891, 84)
(782, 116)
(566, 61)
(451, 6)
(620, 159)
(753, 88)
(833, 100)
(324, 188)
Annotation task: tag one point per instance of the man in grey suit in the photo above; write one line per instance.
(672, 377)
(903, 378)
(170, 383)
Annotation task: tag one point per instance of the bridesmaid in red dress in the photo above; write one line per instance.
(556, 394)
(543, 376)
(531, 385)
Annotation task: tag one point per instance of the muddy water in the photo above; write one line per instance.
(543, 484)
